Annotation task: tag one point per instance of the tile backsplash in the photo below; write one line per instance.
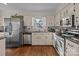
(34, 29)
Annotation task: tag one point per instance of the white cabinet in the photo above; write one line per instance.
(49, 21)
(72, 49)
(65, 12)
(27, 39)
(57, 20)
(2, 47)
(42, 38)
(1, 21)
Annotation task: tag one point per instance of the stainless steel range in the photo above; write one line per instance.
(59, 45)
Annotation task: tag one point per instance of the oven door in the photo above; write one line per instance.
(60, 47)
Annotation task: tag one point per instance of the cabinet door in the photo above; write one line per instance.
(68, 49)
(2, 47)
(1, 21)
(41, 39)
(71, 48)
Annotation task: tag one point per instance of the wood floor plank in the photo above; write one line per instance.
(32, 51)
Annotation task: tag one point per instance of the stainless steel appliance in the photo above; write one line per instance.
(59, 45)
(13, 32)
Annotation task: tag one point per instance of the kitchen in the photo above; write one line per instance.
(39, 29)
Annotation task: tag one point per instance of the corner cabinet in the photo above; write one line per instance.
(71, 49)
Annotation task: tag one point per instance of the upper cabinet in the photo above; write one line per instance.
(65, 13)
(1, 21)
(77, 15)
(57, 20)
(28, 21)
(49, 20)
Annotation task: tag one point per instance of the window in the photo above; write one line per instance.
(38, 22)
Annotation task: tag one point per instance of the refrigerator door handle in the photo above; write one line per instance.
(10, 29)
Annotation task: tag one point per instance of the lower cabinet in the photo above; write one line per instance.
(27, 39)
(2, 47)
(72, 49)
(42, 38)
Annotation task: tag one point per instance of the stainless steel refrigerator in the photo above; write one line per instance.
(13, 32)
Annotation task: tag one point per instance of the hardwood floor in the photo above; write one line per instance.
(32, 51)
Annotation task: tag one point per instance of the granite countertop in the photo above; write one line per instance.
(75, 40)
(71, 38)
(27, 33)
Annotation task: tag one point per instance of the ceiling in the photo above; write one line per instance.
(33, 8)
